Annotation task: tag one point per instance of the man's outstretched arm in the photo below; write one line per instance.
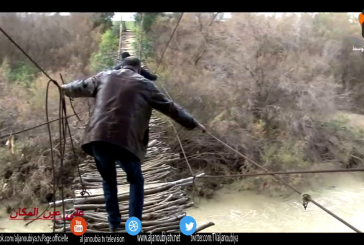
(82, 88)
(148, 75)
(161, 103)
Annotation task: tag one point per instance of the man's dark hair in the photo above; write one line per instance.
(124, 55)
(132, 61)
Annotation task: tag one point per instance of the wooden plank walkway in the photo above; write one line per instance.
(165, 203)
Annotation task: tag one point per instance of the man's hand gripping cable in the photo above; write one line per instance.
(33, 238)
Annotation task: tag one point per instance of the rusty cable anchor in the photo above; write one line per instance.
(84, 190)
(306, 198)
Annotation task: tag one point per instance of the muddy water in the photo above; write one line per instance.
(234, 211)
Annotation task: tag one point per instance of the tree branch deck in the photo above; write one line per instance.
(165, 202)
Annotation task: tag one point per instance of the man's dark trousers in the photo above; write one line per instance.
(105, 157)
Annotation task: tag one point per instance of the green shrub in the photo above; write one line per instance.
(344, 141)
(116, 28)
(290, 154)
(21, 72)
(263, 94)
(149, 19)
(105, 57)
(147, 45)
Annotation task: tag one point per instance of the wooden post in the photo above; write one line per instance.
(141, 37)
(121, 37)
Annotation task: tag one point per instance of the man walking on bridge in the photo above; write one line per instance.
(117, 129)
(143, 72)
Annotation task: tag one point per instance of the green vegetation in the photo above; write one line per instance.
(269, 86)
(103, 20)
(130, 25)
(105, 57)
(149, 19)
(147, 46)
(22, 72)
(58, 45)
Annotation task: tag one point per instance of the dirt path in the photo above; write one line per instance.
(127, 42)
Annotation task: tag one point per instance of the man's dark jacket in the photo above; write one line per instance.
(123, 107)
(143, 72)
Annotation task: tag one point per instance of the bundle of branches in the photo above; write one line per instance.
(165, 201)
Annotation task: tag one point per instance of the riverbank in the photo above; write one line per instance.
(233, 210)
(245, 211)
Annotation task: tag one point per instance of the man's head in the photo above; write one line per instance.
(124, 55)
(133, 62)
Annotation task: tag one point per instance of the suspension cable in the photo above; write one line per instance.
(306, 198)
(63, 123)
(35, 63)
(170, 39)
(39, 125)
(155, 72)
(174, 128)
(285, 173)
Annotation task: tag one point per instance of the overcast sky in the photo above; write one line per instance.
(126, 16)
(129, 15)
(117, 15)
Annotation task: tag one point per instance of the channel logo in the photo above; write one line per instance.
(78, 226)
(133, 226)
(361, 21)
(188, 225)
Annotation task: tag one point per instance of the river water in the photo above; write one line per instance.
(233, 211)
(245, 211)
